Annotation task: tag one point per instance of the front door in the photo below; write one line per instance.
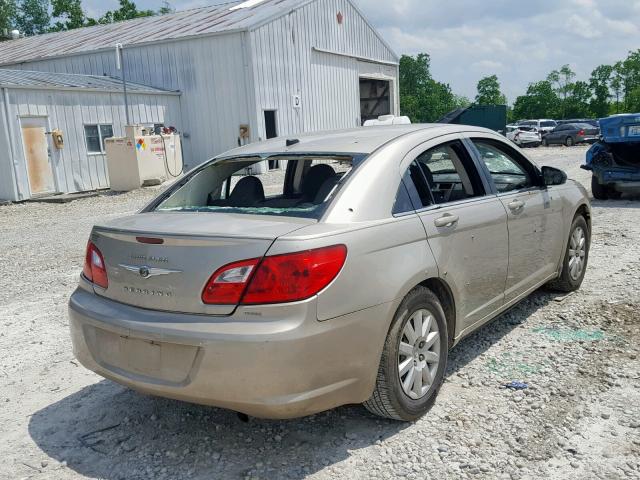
(466, 228)
(37, 153)
(534, 217)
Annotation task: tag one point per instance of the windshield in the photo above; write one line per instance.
(282, 186)
(548, 124)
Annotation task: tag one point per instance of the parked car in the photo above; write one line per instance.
(524, 136)
(381, 248)
(615, 159)
(571, 134)
(544, 125)
(591, 121)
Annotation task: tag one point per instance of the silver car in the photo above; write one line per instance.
(346, 277)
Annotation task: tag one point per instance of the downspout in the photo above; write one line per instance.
(10, 136)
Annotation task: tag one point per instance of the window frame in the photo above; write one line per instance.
(519, 158)
(101, 139)
(424, 147)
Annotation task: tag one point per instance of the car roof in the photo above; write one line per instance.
(356, 141)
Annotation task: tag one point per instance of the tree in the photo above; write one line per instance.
(541, 101)
(69, 15)
(422, 98)
(8, 12)
(561, 81)
(577, 102)
(127, 11)
(33, 16)
(489, 92)
(599, 84)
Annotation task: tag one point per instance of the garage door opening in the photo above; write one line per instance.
(375, 98)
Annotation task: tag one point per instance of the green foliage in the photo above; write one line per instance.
(127, 11)
(69, 15)
(8, 10)
(32, 16)
(541, 101)
(489, 92)
(422, 98)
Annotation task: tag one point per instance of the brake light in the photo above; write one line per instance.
(94, 268)
(277, 279)
(581, 133)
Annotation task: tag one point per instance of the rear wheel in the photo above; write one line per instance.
(545, 142)
(413, 360)
(569, 142)
(600, 192)
(576, 257)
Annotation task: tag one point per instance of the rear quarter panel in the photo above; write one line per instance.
(385, 260)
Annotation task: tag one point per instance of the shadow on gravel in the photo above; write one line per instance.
(107, 431)
(627, 201)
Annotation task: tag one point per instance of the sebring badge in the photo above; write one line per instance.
(148, 272)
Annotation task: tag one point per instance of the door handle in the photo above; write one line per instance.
(516, 205)
(447, 220)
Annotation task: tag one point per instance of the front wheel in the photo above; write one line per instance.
(574, 265)
(414, 359)
(545, 142)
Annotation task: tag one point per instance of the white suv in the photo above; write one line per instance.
(544, 125)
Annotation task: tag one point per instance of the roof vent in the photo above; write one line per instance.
(292, 141)
(15, 34)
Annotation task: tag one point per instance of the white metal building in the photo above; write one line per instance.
(246, 70)
(85, 110)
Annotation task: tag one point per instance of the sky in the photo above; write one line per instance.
(521, 42)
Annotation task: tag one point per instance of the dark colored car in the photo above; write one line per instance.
(594, 122)
(615, 159)
(571, 134)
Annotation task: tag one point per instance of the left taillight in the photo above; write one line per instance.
(94, 268)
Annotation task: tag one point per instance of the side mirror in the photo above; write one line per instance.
(553, 176)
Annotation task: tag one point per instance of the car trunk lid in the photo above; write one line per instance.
(162, 261)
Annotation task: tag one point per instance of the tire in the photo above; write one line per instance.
(600, 192)
(569, 142)
(613, 194)
(545, 142)
(576, 258)
(390, 398)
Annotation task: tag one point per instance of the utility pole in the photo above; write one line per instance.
(120, 66)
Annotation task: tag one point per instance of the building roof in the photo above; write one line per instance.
(354, 141)
(215, 19)
(26, 79)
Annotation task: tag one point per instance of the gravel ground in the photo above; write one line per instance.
(579, 418)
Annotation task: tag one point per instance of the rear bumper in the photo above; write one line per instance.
(623, 180)
(275, 362)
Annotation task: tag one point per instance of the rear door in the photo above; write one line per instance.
(466, 227)
(37, 152)
(534, 215)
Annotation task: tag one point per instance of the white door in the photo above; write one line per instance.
(37, 153)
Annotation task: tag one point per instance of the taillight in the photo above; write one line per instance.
(226, 286)
(277, 279)
(94, 268)
(581, 133)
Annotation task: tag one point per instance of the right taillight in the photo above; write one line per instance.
(277, 279)
(94, 268)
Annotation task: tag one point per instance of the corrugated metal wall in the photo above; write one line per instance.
(74, 169)
(228, 80)
(290, 57)
(210, 72)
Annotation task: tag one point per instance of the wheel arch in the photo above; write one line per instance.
(444, 293)
(584, 211)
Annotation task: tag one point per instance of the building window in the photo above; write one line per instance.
(95, 136)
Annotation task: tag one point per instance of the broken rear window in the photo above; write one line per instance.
(297, 186)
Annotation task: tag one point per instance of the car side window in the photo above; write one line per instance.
(450, 173)
(507, 170)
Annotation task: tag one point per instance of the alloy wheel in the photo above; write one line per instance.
(419, 354)
(577, 253)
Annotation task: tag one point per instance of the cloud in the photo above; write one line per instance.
(468, 39)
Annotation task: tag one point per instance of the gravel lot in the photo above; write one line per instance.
(579, 418)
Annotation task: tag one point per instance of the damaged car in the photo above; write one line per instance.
(615, 160)
(346, 278)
